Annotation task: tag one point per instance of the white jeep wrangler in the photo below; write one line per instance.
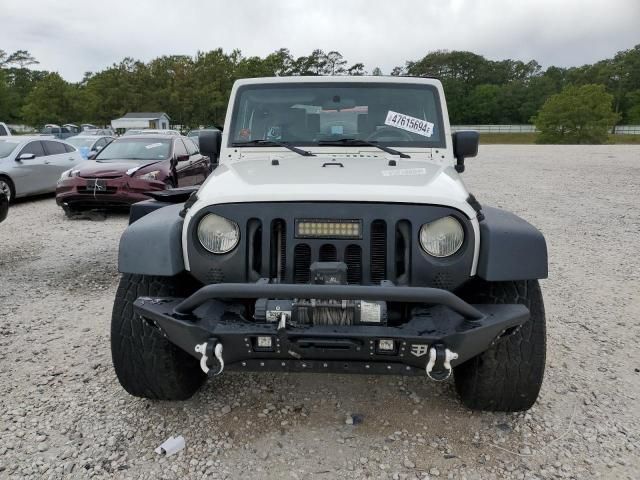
(335, 235)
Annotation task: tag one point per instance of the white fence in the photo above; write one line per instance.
(627, 130)
(619, 130)
(496, 128)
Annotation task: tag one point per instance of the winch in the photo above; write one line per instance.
(323, 312)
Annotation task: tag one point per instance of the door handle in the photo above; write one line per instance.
(47, 162)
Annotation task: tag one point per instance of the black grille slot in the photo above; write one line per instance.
(328, 253)
(254, 249)
(353, 259)
(403, 252)
(278, 248)
(378, 251)
(301, 263)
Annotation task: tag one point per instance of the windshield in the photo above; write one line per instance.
(311, 114)
(136, 149)
(6, 147)
(81, 142)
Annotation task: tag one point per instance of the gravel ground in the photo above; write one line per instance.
(63, 413)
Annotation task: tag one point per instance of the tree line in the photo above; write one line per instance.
(194, 90)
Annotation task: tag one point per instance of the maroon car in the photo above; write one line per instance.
(128, 168)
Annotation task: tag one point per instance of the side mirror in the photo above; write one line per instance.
(210, 142)
(465, 144)
(92, 155)
(182, 158)
(25, 156)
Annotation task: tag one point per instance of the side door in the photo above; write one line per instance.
(59, 157)
(182, 164)
(199, 163)
(31, 174)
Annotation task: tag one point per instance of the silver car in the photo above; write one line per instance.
(33, 165)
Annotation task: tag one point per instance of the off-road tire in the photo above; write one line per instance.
(147, 364)
(508, 376)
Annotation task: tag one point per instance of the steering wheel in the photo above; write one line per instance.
(390, 132)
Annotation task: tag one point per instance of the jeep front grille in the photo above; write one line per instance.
(290, 257)
(387, 247)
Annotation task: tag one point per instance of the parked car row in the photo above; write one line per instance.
(69, 130)
(98, 171)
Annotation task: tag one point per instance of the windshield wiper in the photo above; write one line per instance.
(299, 151)
(354, 142)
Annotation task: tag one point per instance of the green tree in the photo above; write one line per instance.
(633, 113)
(335, 63)
(21, 58)
(377, 71)
(51, 100)
(576, 115)
(484, 107)
(4, 96)
(357, 69)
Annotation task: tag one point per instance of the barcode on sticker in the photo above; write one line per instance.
(410, 124)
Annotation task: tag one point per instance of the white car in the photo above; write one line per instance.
(336, 235)
(32, 165)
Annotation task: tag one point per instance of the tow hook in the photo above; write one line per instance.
(439, 364)
(209, 349)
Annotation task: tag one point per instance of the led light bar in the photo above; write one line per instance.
(327, 228)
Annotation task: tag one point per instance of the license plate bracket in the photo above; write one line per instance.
(96, 185)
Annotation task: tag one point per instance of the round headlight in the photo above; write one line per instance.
(217, 234)
(442, 238)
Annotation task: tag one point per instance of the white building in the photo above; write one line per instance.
(142, 120)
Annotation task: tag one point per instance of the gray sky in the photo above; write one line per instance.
(72, 37)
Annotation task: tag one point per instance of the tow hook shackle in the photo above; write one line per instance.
(439, 364)
(207, 350)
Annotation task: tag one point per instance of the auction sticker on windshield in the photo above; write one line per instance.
(410, 124)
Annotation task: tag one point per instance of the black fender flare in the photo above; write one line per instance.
(152, 245)
(510, 248)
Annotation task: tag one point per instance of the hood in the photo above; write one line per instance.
(112, 168)
(324, 178)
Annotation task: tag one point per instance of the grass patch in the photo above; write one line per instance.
(624, 139)
(530, 138)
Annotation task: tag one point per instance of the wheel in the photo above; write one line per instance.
(146, 364)
(508, 376)
(7, 188)
(69, 212)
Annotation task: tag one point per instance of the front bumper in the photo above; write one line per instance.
(119, 192)
(441, 320)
